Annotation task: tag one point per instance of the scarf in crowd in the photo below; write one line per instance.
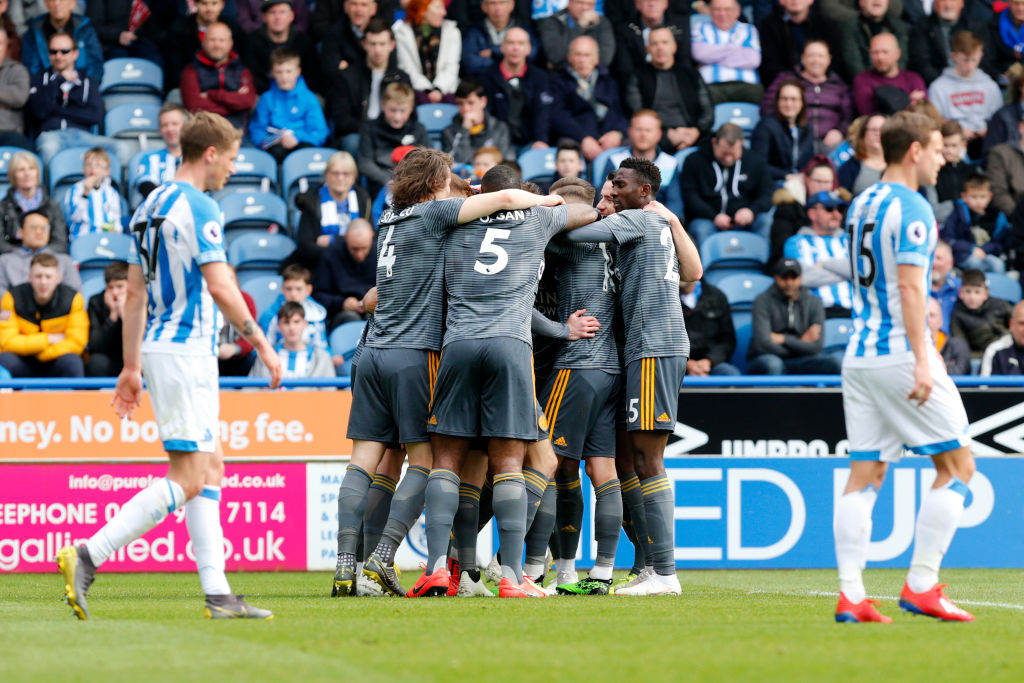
(32, 203)
(334, 218)
(585, 89)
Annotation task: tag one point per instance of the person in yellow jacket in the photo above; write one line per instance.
(43, 324)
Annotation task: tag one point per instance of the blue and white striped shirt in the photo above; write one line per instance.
(177, 230)
(889, 225)
(100, 211)
(740, 36)
(809, 249)
(157, 167)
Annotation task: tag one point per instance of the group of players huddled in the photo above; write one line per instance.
(448, 369)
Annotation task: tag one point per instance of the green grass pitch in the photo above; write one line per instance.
(728, 625)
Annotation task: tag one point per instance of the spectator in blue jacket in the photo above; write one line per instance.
(65, 104)
(587, 106)
(481, 44)
(973, 212)
(59, 17)
(288, 116)
(945, 285)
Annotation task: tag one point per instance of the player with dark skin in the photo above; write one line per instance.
(629, 192)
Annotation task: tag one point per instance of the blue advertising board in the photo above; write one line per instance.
(776, 513)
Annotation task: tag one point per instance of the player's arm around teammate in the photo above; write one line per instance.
(690, 267)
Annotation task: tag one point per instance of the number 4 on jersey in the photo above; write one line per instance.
(387, 252)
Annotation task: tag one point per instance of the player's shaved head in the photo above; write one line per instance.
(499, 178)
(574, 190)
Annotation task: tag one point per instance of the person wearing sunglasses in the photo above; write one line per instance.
(821, 248)
(60, 17)
(65, 103)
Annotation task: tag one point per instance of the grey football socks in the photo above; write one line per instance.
(442, 502)
(633, 504)
(539, 533)
(509, 503)
(406, 506)
(536, 485)
(568, 515)
(607, 520)
(466, 526)
(659, 506)
(351, 504)
(486, 509)
(378, 504)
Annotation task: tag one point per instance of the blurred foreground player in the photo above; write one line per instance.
(896, 393)
(178, 235)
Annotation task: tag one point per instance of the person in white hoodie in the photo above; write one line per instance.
(964, 93)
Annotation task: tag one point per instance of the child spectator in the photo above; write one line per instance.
(569, 161)
(288, 115)
(394, 128)
(297, 286)
(953, 174)
(976, 228)
(106, 310)
(474, 127)
(43, 325)
(484, 160)
(159, 166)
(978, 318)
(964, 93)
(93, 204)
(298, 359)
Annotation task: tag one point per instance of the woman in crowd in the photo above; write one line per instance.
(826, 95)
(328, 208)
(866, 166)
(26, 194)
(791, 201)
(783, 140)
(429, 49)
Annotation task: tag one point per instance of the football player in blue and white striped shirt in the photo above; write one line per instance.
(178, 271)
(896, 393)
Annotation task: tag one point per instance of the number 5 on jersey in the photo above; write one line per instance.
(489, 247)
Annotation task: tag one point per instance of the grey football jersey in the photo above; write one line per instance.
(491, 269)
(410, 290)
(586, 280)
(649, 285)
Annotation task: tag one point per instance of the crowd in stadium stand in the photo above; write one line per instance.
(764, 117)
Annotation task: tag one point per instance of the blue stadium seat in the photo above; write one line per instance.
(300, 167)
(742, 323)
(601, 164)
(1003, 287)
(259, 251)
(132, 121)
(66, 169)
(743, 114)
(435, 118)
(131, 80)
(92, 283)
(343, 342)
(538, 163)
(96, 250)
(264, 291)
(734, 249)
(837, 334)
(742, 288)
(259, 212)
(254, 170)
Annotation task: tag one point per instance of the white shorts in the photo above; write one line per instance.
(881, 421)
(185, 393)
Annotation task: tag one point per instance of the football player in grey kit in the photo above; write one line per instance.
(392, 389)
(650, 243)
(485, 381)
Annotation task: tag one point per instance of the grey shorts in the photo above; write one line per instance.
(391, 395)
(485, 388)
(580, 405)
(652, 393)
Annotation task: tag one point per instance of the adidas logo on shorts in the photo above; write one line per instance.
(664, 418)
(432, 420)
(560, 441)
